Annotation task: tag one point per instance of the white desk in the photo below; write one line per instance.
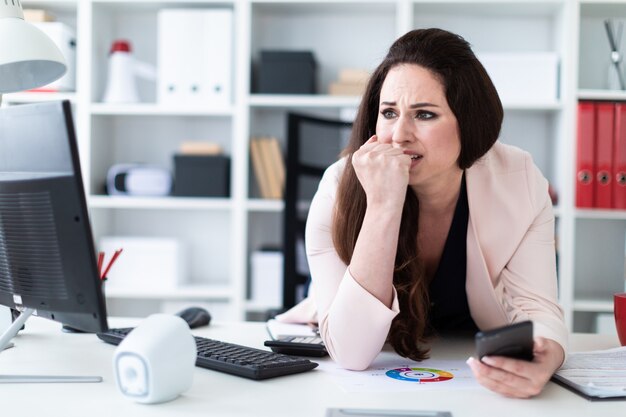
(43, 349)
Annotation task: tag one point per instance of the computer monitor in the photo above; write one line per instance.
(47, 258)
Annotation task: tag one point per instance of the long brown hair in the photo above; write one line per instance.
(474, 101)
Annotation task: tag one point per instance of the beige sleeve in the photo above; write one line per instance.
(353, 323)
(529, 279)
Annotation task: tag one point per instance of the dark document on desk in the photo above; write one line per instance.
(597, 375)
(365, 412)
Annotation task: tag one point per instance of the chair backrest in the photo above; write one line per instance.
(313, 144)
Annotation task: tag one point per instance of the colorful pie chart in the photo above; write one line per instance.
(421, 375)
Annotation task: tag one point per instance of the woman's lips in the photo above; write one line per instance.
(415, 159)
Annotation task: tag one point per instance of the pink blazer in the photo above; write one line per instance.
(511, 265)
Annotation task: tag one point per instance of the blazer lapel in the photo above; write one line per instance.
(499, 215)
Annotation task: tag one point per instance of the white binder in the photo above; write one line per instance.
(195, 57)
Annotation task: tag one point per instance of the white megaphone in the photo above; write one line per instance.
(123, 68)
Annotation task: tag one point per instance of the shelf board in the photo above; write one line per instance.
(187, 292)
(151, 109)
(261, 204)
(326, 101)
(303, 100)
(601, 9)
(601, 95)
(490, 8)
(530, 106)
(323, 7)
(600, 214)
(159, 4)
(34, 97)
(159, 203)
(256, 306)
(54, 5)
(594, 306)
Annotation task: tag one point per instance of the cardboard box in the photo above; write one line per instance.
(287, 72)
(346, 89)
(201, 176)
(524, 78)
(146, 264)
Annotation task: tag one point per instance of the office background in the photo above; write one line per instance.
(218, 236)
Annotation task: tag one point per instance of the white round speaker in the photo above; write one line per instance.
(155, 362)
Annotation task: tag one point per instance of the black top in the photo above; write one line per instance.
(449, 310)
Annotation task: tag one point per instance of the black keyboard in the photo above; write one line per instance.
(231, 358)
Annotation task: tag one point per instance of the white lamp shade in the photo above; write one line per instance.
(28, 58)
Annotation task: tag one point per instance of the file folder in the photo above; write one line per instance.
(195, 57)
(595, 375)
(605, 121)
(619, 157)
(585, 155)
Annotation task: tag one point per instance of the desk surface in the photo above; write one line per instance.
(43, 349)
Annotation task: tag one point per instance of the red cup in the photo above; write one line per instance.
(619, 307)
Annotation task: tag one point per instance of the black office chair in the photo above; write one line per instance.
(313, 144)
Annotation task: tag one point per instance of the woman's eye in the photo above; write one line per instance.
(388, 114)
(424, 115)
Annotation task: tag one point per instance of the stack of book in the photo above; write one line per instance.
(269, 166)
(200, 148)
(352, 82)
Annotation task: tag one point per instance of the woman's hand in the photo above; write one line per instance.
(518, 378)
(383, 172)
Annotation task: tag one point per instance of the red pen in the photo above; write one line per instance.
(111, 262)
(100, 261)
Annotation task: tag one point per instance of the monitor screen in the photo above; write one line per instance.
(47, 256)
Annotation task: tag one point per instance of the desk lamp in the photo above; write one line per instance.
(28, 58)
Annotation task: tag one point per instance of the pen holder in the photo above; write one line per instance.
(619, 308)
(613, 76)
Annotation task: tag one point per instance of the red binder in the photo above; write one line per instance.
(605, 123)
(585, 155)
(619, 157)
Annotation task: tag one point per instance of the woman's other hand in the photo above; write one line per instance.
(518, 378)
(383, 172)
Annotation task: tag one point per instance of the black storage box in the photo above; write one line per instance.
(201, 176)
(287, 72)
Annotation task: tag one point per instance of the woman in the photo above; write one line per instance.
(427, 225)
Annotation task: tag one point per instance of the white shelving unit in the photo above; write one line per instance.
(221, 233)
(301, 101)
(156, 110)
(160, 203)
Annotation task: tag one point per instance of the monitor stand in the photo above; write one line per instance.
(4, 342)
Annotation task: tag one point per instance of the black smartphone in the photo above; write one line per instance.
(298, 345)
(513, 341)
